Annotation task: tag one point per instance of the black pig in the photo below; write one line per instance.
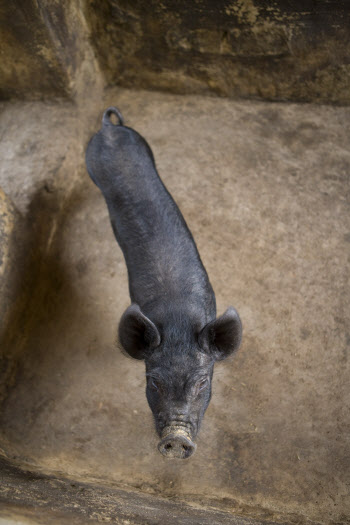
(171, 323)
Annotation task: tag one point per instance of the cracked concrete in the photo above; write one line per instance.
(265, 190)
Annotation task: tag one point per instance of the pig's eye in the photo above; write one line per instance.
(155, 385)
(202, 384)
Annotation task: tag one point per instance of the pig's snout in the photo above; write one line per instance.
(176, 443)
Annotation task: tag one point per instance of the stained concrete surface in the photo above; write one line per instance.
(265, 190)
(277, 50)
(59, 500)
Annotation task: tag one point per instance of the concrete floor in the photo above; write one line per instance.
(265, 190)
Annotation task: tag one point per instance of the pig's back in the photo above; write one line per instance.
(161, 256)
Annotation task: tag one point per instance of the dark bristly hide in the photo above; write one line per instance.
(171, 323)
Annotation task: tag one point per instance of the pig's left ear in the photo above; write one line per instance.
(137, 334)
(222, 336)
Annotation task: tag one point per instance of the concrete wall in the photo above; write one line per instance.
(273, 50)
(29, 62)
(276, 50)
(44, 49)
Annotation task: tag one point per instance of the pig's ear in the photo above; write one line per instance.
(222, 336)
(137, 334)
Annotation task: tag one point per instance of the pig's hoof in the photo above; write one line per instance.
(176, 445)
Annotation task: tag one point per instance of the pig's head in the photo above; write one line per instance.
(179, 371)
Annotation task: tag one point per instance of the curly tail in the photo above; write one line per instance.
(112, 111)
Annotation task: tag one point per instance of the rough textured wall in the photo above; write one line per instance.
(29, 63)
(13, 260)
(277, 50)
(44, 49)
(9, 220)
(281, 50)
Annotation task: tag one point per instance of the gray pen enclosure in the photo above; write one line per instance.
(245, 106)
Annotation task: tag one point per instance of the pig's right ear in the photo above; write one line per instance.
(137, 334)
(222, 337)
